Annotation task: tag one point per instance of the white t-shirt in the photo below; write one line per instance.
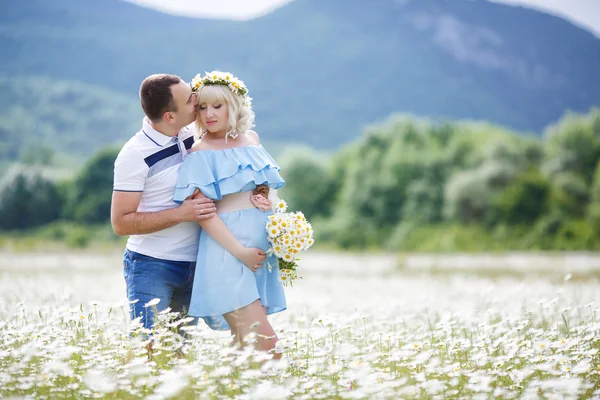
(149, 163)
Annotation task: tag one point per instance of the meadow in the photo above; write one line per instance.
(369, 326)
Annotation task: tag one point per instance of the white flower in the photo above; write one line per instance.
(152, 302)
(197, 82)
(280, 206)
(100, 381)
(215, 75)
(272, 222)
(285, 223)
(173, 383)
(268, 390)
(274, 231)
(299, 216)
(278, 250)
(254, 324)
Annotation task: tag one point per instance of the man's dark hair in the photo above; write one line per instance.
(156, 96)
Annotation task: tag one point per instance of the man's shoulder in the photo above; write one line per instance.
(188, 132)
(133, 148)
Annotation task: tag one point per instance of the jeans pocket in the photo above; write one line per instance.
(128, 263)
(126, 269)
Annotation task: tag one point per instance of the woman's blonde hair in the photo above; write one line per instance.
(241, 116)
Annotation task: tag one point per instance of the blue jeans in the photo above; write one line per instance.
(148, 278)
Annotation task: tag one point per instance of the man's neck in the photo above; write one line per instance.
(165, 130)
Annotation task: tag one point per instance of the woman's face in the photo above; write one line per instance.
(214, 117)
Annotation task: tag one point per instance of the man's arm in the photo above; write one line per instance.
(126, 220)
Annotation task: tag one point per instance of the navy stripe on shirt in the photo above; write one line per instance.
(168, 152)
(161, 155)
(164, 164)
(188, 142)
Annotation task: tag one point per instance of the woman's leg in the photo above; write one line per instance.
(244, 320)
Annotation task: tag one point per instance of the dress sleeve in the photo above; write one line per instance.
(222, 172)
(196, 173)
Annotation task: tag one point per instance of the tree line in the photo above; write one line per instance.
(406, 184)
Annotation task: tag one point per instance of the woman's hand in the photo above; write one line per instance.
(261, 202)
(251, 257)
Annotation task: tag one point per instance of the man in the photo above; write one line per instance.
(160, 257)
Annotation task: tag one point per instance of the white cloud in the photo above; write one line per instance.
(226, 9)
(585, 13)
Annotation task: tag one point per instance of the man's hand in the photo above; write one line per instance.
(197, 207)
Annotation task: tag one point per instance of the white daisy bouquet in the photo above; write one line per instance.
(289, 233)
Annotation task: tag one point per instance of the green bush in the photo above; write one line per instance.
(576, 235)
(524, 200)
(91, 193)
(77, 237)
(28, 200)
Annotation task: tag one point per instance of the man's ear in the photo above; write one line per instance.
(168, 117)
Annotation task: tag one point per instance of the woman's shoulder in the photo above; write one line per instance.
(252, 137)
(231, 169)
(202, 145)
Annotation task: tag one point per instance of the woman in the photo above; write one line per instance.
(233, 288)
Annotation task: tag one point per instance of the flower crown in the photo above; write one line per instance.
(234, 84)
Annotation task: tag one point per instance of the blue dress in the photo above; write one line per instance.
(222, 283)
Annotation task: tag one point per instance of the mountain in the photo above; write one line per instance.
(319, 70)
(71, 117)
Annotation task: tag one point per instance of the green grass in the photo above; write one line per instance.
(61, 236)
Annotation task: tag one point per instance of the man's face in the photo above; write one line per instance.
(185, 102)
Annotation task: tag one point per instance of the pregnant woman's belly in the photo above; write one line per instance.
(246, 222)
